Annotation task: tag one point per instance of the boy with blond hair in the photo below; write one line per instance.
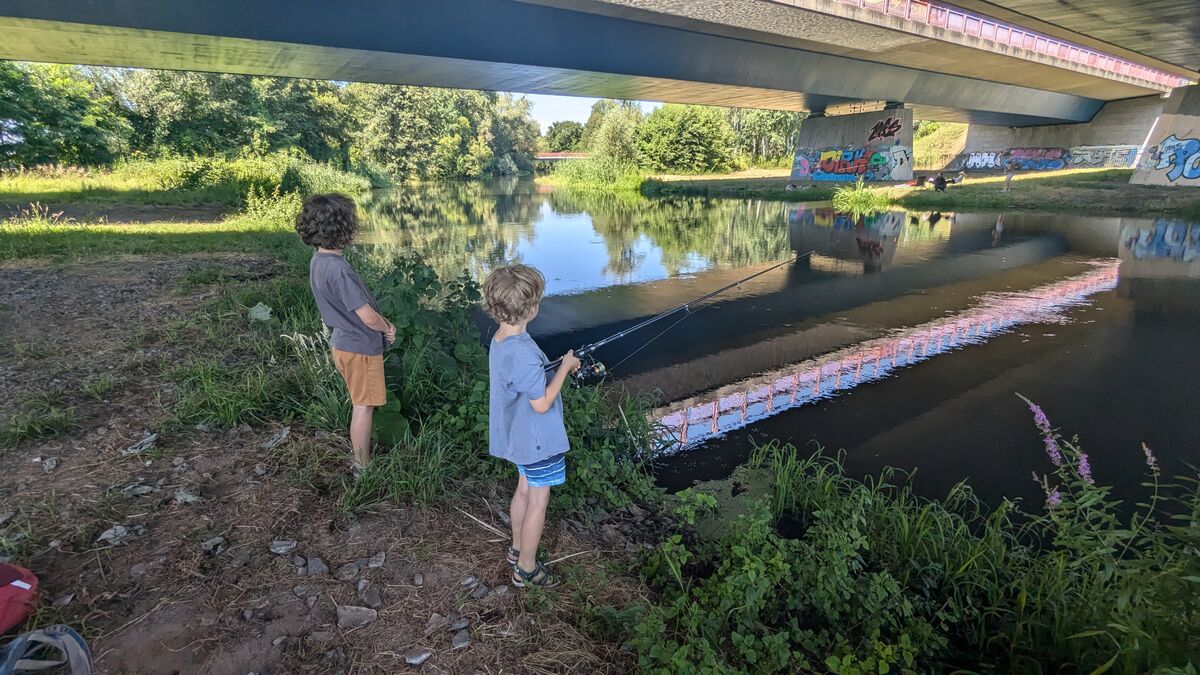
(525, 416)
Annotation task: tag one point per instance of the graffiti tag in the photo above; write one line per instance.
(1164, 239)
(1038, 159)
(885, 128)
(849, 164)
(1025, 159)
(1180, 157)
(1103, 156)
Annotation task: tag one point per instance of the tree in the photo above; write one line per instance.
(686, 138)
(765, 135)
(564, 136)
(599, 110)
(615, 138)
(514, 136)
(53, 113)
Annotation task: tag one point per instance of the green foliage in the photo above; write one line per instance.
(860, 199)
(420, 468)
(765, 137)
(832, 574)
(614, 140)
(686, 139)
(39, 415)
(55, 114)
(597, 173)
(564, 136)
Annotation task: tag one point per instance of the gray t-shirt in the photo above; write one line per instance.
(516, 376)
(339, 292)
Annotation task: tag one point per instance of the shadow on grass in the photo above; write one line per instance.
(82, 241)
(222, 195)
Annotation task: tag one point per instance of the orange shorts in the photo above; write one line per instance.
(363, 375)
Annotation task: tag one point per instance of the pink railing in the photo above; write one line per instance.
(1000, 33)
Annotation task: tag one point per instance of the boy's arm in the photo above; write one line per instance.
(569, 363)
(375, 321)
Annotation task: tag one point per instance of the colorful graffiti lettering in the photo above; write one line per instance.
(1180, 157)
(885, 128)
(1025, 159)
(849, 164)
(1038, 159)
(1164, 239)
(1103, 156)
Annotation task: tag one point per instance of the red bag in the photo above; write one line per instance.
(18, 595)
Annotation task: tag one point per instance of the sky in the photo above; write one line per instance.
(550, 109)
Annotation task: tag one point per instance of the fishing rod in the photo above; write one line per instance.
(592, 369)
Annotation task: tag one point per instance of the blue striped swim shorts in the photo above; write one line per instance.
(545, 473)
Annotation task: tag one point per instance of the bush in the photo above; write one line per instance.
(236, 178)
(597, 174)
(686, 139)
(870, 578)
(860, 199)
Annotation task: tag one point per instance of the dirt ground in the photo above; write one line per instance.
(186, 580)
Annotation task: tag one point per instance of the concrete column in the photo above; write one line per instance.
(876, 146)
(1171, 153)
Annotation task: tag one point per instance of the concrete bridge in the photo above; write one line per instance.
(831, 56)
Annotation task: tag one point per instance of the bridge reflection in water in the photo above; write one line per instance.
(743, 403)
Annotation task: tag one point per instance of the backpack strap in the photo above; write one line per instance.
(21, 652)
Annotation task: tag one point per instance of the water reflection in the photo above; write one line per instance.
(580, 240)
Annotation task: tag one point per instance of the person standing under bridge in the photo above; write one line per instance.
(1010, 169)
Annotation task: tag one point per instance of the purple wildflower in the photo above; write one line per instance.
(1039, 418)
(1054, 498)
(1052, 451)
(1151, 461)
(1085, 469)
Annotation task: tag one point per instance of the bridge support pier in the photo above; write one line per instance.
(1171, 153)
(874, 146)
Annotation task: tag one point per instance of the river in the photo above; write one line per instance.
(902, 338)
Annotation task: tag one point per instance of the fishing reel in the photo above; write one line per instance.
(591, 371)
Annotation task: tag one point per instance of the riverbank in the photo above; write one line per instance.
(233, 540)
(218, 352)
(1099, 191)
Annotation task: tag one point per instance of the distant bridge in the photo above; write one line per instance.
(559, 156)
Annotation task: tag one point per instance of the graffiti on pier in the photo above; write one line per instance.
(1103, 156)
(743, 403)
(884, 128)
(850, 164)
(1038, 159)
(984, 160)
(1166, 238)
(1178, 157)
(1024, 159)
(875, 146)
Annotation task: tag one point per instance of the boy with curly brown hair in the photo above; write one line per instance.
(328, 223)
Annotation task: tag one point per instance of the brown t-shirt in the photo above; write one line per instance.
(339, 291)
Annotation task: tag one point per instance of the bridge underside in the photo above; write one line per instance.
(535, 48)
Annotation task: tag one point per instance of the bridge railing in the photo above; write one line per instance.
(1005, 34)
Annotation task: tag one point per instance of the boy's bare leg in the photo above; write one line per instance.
(517, 509)
(531, 525)
(360, 433)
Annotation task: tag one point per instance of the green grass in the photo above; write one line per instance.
(40, 415)
(176, 181)
(98, 386)
(860, 199)
(1072, 190)
(595, 174)
(942, 142)
(38, 234)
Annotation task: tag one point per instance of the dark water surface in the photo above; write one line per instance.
(903, 339)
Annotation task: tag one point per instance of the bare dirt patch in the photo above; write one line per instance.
(163, 558)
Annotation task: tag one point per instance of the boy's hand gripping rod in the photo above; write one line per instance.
(591, 369)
